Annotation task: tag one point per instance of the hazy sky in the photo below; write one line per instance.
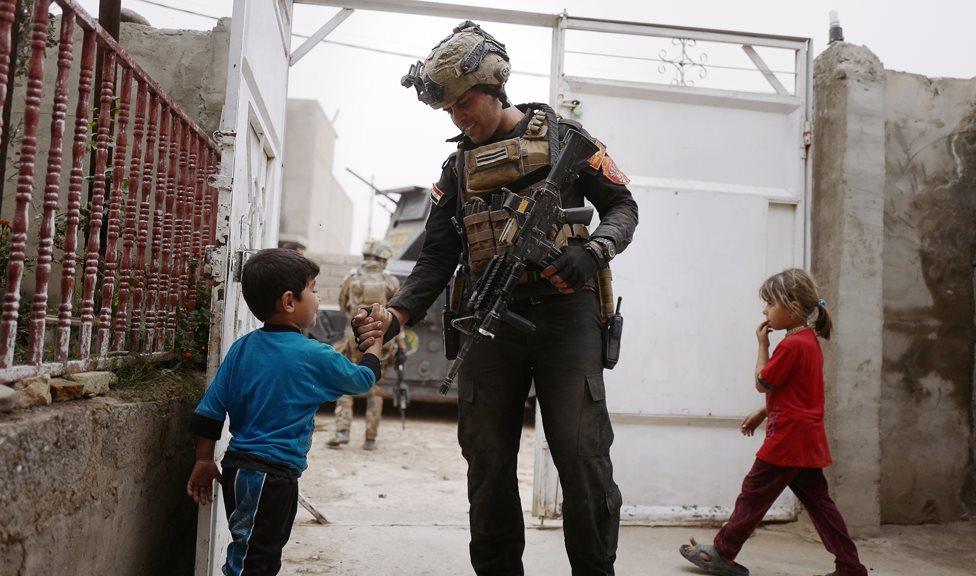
(386, 133)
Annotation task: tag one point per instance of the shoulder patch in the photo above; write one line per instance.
(604, 163)
(436, 194)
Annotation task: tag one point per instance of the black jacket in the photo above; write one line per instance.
(442, 247)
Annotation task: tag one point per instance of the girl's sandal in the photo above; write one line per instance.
(708, 559)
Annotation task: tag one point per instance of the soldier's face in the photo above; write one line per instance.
(476, 114)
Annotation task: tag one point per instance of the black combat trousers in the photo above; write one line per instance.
(564, 359)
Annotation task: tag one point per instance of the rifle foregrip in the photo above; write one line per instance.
(578, 215)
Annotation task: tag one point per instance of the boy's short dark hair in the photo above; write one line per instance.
(272, 272)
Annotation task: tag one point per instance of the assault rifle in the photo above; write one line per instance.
(525, 246)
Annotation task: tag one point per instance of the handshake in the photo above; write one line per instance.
(375, 325)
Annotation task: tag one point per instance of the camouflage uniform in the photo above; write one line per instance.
(367, 284)
(563, 357)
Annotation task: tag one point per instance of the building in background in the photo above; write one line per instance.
(315, 211)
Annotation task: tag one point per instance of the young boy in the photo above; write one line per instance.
(270, 385)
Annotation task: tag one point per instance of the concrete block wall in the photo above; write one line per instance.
(333, 268)
(893, 247)
(97, 487)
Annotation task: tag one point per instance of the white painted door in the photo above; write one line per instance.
(720, 175)
(252, 137)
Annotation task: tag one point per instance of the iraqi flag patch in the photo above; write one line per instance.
(436, 195)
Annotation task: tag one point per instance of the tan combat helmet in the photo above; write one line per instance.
(469, 57)
(377, 249)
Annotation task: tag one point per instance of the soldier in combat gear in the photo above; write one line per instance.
(514, 147)
(367, 284)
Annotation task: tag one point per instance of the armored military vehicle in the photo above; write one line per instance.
(426, 364)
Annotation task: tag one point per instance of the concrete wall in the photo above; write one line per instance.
(893, 246)
(191, 65)
(315, 210)
(97, 487)
(848, 193)
(929, 250)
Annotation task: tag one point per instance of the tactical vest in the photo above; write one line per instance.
(367, 285)
(516, 164)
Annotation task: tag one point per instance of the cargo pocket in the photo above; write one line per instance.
(468, 425)
(595, 433)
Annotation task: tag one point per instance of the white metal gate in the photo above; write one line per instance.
(721, 179)
(251, 137)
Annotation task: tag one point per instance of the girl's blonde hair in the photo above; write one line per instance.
(797, 291)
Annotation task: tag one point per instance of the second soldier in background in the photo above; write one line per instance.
(367, 284)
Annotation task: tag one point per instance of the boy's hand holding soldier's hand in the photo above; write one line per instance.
(200, 484)
(370, 328)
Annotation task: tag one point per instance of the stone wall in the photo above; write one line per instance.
(894, 244)
(97, 487)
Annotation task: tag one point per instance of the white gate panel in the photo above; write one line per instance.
(720, 178)
(251, 136)
(689, 283)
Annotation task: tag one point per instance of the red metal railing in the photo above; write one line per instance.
(163, 210)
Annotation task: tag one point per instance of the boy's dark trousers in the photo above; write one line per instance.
(261, 508)
(764, 483)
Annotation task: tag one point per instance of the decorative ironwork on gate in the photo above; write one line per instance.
(147, 186)
(683, 63)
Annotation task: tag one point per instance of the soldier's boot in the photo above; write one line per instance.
(341, 437)
(369, 444)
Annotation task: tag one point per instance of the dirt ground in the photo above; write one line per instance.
(402, 509)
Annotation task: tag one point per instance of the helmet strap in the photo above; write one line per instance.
(492, 91)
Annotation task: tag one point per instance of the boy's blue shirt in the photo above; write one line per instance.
(270, 384)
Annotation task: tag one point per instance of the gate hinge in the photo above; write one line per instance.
(573, 105)
(807, 137)
(240, 257)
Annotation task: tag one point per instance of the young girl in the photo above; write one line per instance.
(795, 451)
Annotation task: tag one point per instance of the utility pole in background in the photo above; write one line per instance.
(374, 191)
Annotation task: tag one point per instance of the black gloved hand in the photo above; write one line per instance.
(572, 269)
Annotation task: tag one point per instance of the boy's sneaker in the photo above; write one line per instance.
(369, 444)
(341, 437)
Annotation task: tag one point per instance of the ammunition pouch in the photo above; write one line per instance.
(482, 231)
